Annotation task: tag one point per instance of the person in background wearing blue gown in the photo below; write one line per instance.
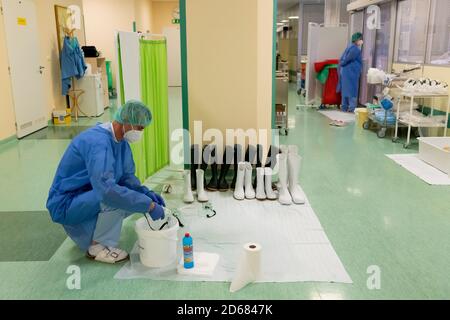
(95, 187)
(350, 73)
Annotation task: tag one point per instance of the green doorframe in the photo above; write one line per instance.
(184, 80)
(274, 61)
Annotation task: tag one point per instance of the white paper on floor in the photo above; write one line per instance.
(421, 169)
(295, 246)
(337, 115)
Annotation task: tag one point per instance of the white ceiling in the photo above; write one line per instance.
(286, 4)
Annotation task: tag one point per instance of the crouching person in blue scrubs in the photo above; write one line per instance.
(95, 187)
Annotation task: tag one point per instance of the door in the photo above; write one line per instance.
(22, 40)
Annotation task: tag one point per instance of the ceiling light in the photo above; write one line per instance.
(294, 18)
(284, 21)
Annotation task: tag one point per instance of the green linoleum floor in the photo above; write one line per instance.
(373, 211)
(29, 236)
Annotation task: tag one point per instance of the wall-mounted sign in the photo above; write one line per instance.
(22, 21)
(176, 16)
(373, 17)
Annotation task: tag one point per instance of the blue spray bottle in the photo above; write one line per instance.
(188, 251)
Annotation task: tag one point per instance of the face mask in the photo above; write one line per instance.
(360, 43)
(133, 136)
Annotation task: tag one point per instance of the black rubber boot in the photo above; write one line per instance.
(237, 156)
(272, 157)
(194, 165)
(206, 155)
(250, 154)
(212, 185)
(226, 164)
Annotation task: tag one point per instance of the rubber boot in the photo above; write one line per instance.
(250, 154)
(206, 156)
(260, 187)
(201, 193)
(284, 197)
(271, 161)
(248, 185)
(195, 161)
(237, 158)
(227, 159)
(259, 156)
(294, 162)
(239, 193)
(270, 194)
(212, 185)
(293, 149)
(284, 149)
(188, 196)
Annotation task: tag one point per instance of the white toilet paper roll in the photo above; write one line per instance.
(249, 267)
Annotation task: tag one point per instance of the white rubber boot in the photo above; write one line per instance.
(293, 149)
(268, 173)
(248, 183)
(260, 187)
(201, 193)
(284, 196)
(239, 193)
(188, 196)
(284, 149)
(294, 162)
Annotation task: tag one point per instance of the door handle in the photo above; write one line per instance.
(41, 69)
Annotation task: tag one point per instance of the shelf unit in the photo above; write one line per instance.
(414, 124)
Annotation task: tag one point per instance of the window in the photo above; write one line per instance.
(439, 33)
(411, 34)
(345, 16)
(383, 38)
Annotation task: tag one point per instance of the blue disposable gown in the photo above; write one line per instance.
(350, 71)
(95, 169)
(72, 63)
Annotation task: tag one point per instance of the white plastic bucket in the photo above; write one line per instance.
(157, 249)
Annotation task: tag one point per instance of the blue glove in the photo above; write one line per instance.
(157, 199)
(157, 213)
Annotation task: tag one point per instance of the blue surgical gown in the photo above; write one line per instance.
(94, 170)
(350, 71)
(72, 63)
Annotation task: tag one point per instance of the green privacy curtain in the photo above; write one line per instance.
(152, 153)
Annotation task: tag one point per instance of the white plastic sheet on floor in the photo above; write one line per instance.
(336, 115)
(295, 246)
(421, 169)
